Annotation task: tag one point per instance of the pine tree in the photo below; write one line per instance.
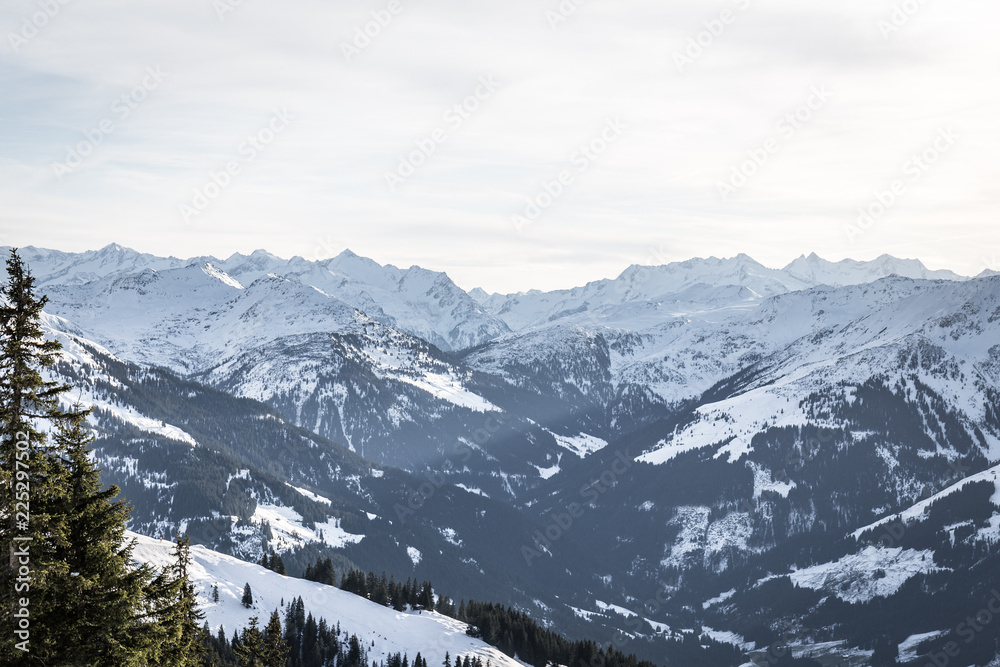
(88, 605)
(178, 615)
(247, 596)
(31, 478)
(274, 649)
(249, 649)
(215, 593)
(104, 599)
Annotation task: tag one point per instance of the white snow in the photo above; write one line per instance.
(736, 449)
(546, 473)
(414, 555)
(449, 389)
(289, 533)
(763, 481)
(473, 489)
(604, 606)
(391, 631)
(726, 637)
(450, 536)
(873, 572)
(908, 647)
(311, 496)
(735, 419)
(718, 599)
(581, 445)
(665, 451)
(221, 275)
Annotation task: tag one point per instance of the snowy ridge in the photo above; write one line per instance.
(392, 632)
(695, 281)
(918, 511)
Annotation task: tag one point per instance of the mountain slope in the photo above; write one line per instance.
(383, 631)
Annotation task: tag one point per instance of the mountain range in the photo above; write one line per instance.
(709, 455)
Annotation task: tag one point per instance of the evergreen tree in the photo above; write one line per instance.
(31, 478)
(88, 604)
(249, 650)
(104, 599)
(274, 649)
(178, 613)
(247, 596)
(278, 565)
(355, 656)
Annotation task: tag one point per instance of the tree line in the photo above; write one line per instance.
(513, 632)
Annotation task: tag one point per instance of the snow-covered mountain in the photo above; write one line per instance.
(803, 445)
(424, 303)
(695, 285)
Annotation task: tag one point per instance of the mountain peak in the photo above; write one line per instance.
(114, 248)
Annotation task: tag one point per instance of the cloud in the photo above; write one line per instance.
(356, 117)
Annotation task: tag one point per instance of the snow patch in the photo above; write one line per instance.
(414, 555)
(908, 647)
(546, 473)
(718, 599)
(289, 533)
(472, 489)
(581, 445)
(447, 388)
(861, 577)
(763, 481)
(310, 495)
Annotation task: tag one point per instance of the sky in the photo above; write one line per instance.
(514, 145)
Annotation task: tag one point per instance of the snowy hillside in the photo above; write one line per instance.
(384, 631)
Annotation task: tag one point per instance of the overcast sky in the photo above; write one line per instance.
(680, 129)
